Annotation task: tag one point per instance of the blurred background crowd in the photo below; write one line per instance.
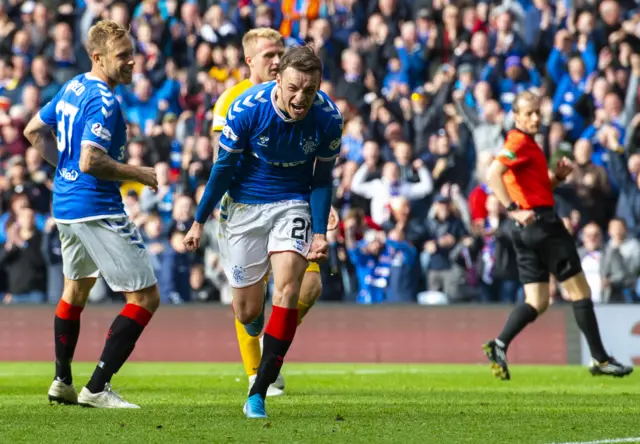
(426, 88)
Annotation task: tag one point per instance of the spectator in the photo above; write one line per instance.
(23, 261)
(202, 290)
(161, 200)
(591, 258)
(446, 231)
(176, 270)
(620, 264)
(380, 191)
(42, 79)
(421, 79)
(497, 258)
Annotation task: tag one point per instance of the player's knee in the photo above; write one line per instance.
(537, 296)
(577, 287)
(149, 298)
(246, 312)
(77, 292)
(286, 293)
(540, 305)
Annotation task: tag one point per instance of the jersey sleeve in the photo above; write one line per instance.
(48, 112)
(329, 148)
(100, 114)
(220, 110)
(511, 154)
(235, 134)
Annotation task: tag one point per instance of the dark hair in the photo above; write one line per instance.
(300, 58)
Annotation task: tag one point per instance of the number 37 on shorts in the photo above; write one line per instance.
(248, 234)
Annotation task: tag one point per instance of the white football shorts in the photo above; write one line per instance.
(249, 234)
(111, 247)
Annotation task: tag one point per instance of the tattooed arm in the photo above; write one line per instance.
(96, 162)
(42, 138)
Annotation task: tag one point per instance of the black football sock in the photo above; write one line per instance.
(276, 342)
(121, 340)
(66, 327)
(588, 324)
(520, 317)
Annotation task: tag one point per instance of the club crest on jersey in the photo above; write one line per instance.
(309, 145)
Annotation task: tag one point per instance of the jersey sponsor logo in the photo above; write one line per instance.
(335, 144)
(309, 145)
(229, 134)
(70, 175)
(263, 141)
(101, 132)
(287, 164)
(508, 154)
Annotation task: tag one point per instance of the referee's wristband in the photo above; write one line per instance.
(513, 207)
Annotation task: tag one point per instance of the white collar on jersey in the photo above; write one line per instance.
(275, 106)
(89, 76)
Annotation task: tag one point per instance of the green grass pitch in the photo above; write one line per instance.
(328, 403)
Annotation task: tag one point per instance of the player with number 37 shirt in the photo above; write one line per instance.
(82, 133)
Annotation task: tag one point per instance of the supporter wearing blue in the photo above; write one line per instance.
(570, 88)
(520, 75)
(96, 236)
(275, 163)
(385, 267)
(176, 270)
(559, 56)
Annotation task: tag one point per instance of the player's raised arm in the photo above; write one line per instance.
(233, 140)
(40, 132)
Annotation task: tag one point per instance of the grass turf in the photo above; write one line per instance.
(185, 403)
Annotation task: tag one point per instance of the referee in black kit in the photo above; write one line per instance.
(520, 179)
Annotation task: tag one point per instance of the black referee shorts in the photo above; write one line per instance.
(545, 246)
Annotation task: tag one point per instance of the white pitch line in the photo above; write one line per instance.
(603, 441)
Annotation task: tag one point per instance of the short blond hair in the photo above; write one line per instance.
(527, 97)
(251, 37)
(103, 34)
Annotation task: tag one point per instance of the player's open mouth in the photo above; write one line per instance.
(297, 108)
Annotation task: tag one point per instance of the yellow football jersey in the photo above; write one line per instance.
(223, 103)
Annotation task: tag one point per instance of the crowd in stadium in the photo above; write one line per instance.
(425, 87)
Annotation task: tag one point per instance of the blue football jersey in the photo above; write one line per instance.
(85, 111)
(277, 153)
